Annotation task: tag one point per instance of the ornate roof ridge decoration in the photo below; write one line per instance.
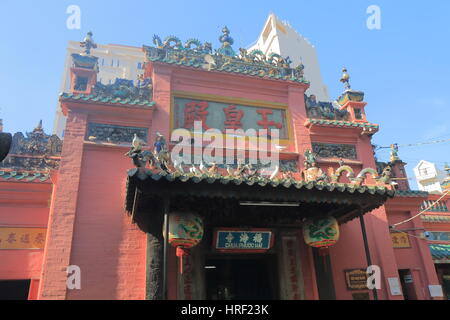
(324, 110)
(145, 173)
(343, 124)
(224, 59)
(85, 60)
(161, 165)
(35, 151)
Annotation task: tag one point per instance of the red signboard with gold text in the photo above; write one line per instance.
(22, 238)
(236, 115)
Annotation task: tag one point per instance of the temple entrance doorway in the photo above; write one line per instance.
(241, 277)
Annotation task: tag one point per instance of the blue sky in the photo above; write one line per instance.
(403, 68)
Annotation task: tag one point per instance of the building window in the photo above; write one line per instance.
(423, 171)
(103, 61)
(112, 62)
(139, 65)
(118, 61)
(358, 114)
(81, 83)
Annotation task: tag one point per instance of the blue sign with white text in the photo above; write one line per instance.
(243, 240)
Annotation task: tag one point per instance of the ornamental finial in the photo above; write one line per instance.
(88, 43)
(227, 42)
(345, 79)
(394, 153)
(39, 127)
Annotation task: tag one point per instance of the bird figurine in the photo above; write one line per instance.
(137, 143)
(178, 166)
(275, 172)
(213, 168)
(230, 170)
(202, 167)
(194, 170)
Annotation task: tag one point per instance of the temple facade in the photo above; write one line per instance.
(213, 176)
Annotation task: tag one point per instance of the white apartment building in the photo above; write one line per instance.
(115, 61)
(279, 37)
(429, 178)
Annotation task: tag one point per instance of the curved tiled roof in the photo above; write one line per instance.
(106, 100)
(255, 189)
(263, 182)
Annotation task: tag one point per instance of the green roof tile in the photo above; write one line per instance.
(440, 251)
(108, 100)
(24, 176)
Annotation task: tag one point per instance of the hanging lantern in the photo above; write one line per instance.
(185, 232)
(321, 233)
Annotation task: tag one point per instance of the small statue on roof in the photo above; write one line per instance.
(345, 79)
(312, 172)
(386, 175)
(88, 43)
(309, 158)
(161, 152)
(139, 156)
(160, 143)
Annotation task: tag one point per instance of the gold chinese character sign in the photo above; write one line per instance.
(22, 238)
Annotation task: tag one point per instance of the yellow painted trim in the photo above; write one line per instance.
(234, 100)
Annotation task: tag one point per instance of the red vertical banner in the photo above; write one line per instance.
(291, 274)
